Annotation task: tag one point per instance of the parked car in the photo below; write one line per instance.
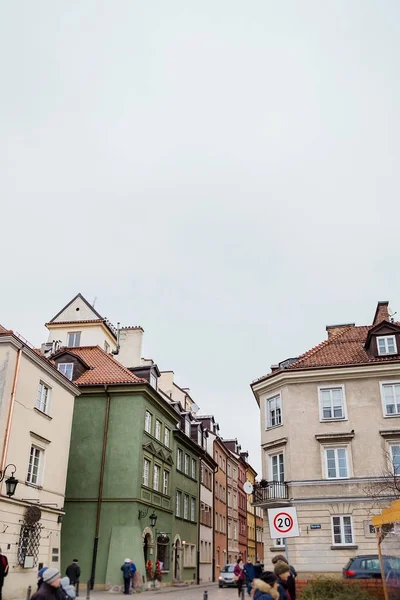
(367, 566)
(226, 577)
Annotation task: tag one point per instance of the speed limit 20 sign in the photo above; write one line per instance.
(283, 522)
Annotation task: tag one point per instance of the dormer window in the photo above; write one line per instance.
(187, 427)
(386, 345)
(153, 381)
(66, 369)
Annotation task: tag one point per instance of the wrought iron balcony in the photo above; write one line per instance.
(271, 493)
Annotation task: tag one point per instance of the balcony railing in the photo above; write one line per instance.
(270, 492)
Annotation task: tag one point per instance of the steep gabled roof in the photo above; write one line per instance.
(71, 302)
(104, 369)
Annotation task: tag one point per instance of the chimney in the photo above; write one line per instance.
(130, 342)
(382, 312)
(335, 330)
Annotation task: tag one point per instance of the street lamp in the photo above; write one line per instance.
(11, 482)
(153, 520)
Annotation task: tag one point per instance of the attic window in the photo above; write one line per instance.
(386, 345)
(66, 369)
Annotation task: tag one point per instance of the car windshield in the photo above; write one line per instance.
(227, 569)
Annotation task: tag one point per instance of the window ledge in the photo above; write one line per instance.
(273, 427)
(334, 437)
(333, 420)
(34, 485)
(41, 412)
(344, 547)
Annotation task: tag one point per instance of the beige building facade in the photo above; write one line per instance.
(330, 427)
(36, 406)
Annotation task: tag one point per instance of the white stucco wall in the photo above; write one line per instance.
(94, 334)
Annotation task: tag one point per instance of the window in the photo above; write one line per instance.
(342, 530)
(166, 483)
(166, 437)
(386, 345)
(186, 507)
(221, 525)
(274, 411)
(395, 454)
(178, 504)
(163, 551)
(35, 466)
(186, 464)
(146, 471)
(391, 398)
(229, 498)
(277, 468)
(187, 427)
(153, 381)
(280, 542)
(216, 521)
(189, 554)
(230, 529)
(193, 468)
(66, 369)
(179, 460)
(192, 509)
(157, 433)
(43, 397)
(147, 422)
(156, 478)
(199, 437)
(336, 463)
(229, 469)
(331, 403)
(234, 501)
(106, 347)
(235, 535)
(74, 339)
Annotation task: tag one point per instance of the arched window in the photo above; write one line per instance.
(163, 551)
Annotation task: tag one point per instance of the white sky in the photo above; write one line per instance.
(223, 173)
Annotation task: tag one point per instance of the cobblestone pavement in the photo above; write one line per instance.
(192, 592)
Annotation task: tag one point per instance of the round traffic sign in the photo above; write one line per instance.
(283, 522)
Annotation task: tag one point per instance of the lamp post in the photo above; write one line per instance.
(11, 482)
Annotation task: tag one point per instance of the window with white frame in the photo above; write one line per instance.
(221, 524)
(67, 369)
(280, 542)
(166, 483)
(235, 532)
(35, 467)
(274, 411)
(332, 403)
(178, 502)
(43, 398)
(179, 460)
(186, 464)
(186, 507)
(391, 398)
(156, 478)
(146, 472)
(336, 463)
(74, 339)
(386, 345)
(395, 456)
(157, 430)
(193, 468)
(229, 498)
(189, 555)
(199, 437)
(147, 421)
(192, 509)
(153, 381)
(187, 427)
(166, 437)
(277, 468)
(342, 530)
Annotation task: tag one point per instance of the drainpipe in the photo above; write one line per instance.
(10, 412)
(100, 494)
(213, 525)
(198, 524)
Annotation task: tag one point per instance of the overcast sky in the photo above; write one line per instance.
(223, 173)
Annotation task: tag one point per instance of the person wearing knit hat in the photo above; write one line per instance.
(282, 571)
(291, 582)
(50, 588)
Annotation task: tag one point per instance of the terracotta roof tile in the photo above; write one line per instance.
(104, 368)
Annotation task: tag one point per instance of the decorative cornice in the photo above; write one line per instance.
(280, 442)
(335, 437)
(390, 433)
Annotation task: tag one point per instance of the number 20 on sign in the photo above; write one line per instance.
(283, 522)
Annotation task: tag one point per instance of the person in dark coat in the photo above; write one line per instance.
(51, 586)
(249, 572)
(74, 573)
(291, 583)
(282, 571)
(3, 569)
(258, 569)
(264, 590)
(40, 576)
(126, 574)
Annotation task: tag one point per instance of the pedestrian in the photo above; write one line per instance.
(126, 573)
(40, 576)
(238, 573)
(293, 574)
(3, 569)
(266, 587)
(258, 569)
(74, 573)
(68, 588)
(282, 571)
(133, 571)
(250, 574)
(51, 586)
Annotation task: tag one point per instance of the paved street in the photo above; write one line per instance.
(190, 593)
